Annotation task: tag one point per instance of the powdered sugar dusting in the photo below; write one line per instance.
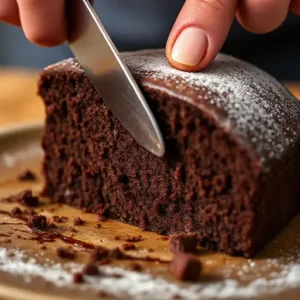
(259, 110)
(145, 286)
(255, 107)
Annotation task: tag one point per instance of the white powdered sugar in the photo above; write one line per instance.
(145, 286)
(255, 107)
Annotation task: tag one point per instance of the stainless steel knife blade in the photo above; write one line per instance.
(94, 50)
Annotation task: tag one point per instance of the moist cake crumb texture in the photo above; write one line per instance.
(230, 173)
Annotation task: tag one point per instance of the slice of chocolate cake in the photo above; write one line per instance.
(231, 169)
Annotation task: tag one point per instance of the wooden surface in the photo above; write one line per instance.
(18, 97)
(19, 102)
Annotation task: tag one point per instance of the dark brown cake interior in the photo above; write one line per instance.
(214, 180)
(205, 183)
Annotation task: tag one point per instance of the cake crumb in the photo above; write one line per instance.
(38, 222)
(98, 225)
(16, 211)
(136, 267)
(65, 253)
(27, 175)
(134, 238)
(117, 238)
(26, 198)
(78, 221)
(128, 246)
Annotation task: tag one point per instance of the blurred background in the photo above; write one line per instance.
(135, 24)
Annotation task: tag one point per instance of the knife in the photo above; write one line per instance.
(98, 56)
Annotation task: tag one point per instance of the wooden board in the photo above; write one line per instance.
(19, 150)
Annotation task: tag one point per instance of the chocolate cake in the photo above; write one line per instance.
(231, 169)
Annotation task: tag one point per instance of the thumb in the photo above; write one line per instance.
(199, 33)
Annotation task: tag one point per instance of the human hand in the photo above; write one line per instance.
(43, 21)
(203, 25)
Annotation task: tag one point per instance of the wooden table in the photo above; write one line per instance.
(19, 101)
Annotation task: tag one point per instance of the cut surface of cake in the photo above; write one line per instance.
(231, 169)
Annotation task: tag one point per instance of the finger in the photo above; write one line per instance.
(43, 21)
(199, 33)
(262, 16)
(9, 12)
(295, 7)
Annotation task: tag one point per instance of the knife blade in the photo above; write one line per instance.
(98, 56)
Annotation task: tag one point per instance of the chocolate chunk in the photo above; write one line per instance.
(16, 211)
(91, 270)
(117, 237)
(98, 225)
(186, 267)
(78, 221)
(128, 246)
(26, 198)
(116, 253)
(65, 253)
(183, 243)
(99, 253)
(27, 175)
(134, 238)
(37, 222)
(78, 278)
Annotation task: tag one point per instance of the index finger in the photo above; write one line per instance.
(43, 21)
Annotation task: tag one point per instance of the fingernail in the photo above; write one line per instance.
(190, 46)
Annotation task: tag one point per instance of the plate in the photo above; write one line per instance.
(30, 267)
